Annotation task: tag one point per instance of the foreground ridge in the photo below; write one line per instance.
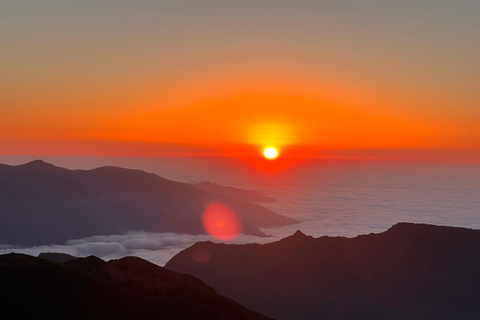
(410, 271)
(90, 288)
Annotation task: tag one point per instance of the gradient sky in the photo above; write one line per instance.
(372, 78)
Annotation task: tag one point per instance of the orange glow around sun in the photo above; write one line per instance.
(221, 222)
(240, 120)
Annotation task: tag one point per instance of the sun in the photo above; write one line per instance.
(270, 153)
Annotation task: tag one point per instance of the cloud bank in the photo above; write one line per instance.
(154, 247)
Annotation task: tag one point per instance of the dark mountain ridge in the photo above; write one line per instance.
(89, 288)
(56, 256)
(44, 204)
(411, 271)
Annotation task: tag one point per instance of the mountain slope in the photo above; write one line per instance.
(236, 193)
(408, 272)
(129, 288)
(44, 204)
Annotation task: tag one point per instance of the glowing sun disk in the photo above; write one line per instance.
(270, 153)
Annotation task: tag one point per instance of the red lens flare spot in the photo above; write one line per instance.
(221, 222)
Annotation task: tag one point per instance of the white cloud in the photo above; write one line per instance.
(155, 247)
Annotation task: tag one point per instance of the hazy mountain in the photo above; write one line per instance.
(411, 271)
(129, 288)
(236, 193)
(43, 204)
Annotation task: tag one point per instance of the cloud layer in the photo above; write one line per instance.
(155, 247)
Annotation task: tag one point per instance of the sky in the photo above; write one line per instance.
(348, 79)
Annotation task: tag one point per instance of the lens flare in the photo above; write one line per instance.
(221, 222)
(270, 153)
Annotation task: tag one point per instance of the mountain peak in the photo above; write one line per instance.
(37, 162)
(37, 165)
(56, 256)
(299, 233)
(297, 236)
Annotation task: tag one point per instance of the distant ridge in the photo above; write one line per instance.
(44, 204)
(56, 257)
(38, 166)
(410, 271)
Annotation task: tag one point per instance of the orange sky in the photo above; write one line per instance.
(343, 82)
(237, 121)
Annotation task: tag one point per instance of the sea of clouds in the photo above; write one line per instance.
(154, 247)
(339, 202)
(372, 200)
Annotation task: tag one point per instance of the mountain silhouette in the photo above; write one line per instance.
(411, 271)
(44, 204)
(129, 288)
(56, 257)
